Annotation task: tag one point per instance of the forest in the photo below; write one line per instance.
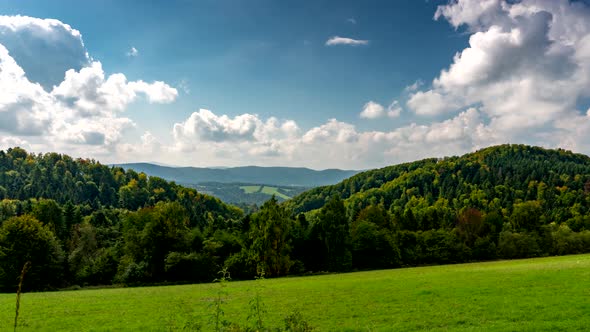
(81, 223)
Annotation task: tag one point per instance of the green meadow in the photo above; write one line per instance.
(542, 294)
(268, 190)
(250, 189)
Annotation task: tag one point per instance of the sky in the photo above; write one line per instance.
(320, 84)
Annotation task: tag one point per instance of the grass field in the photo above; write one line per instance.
(265, 190)
(250, 189)
(545, 294)
(274, 191)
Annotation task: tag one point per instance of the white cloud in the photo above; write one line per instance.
(133, 52)
(333, 131)
(332, 144)
(28, 38)
(7, 142)
(80, 112)
(526, 66)
(206, 126)
(519, 79)
(372, 110)
(22, 110)
(156, 92)
(470, 12)
(346, 41)
(90, 93)
(394, 109)
(430, 103)
(351, 20)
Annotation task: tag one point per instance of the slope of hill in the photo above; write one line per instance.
(281, 176)
(492, 178)
(87, 182)
(79, 222)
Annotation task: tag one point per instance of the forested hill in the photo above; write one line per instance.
(491, 179)
(89, 184)
(281, 176)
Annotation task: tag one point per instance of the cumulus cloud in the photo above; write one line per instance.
(228, 140)
(207, 126)
(430, 103)
(28, 38)
(346, 41)
(372, 110)
(526, 66)
(82, 108)
(519, 80)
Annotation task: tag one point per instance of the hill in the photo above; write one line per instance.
(505, 201)
(87, 182)
(80, 222)
(280, 176)
(492, 178)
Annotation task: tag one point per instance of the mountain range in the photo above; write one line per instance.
(280, 176)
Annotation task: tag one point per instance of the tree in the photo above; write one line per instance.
(469, 225)
(333, 231)
(24, 239)
(49, 213)
(269, 231)
(527, 215)
(165, 233)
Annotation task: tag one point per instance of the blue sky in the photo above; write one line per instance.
(257, 82)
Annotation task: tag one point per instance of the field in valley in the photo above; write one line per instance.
(549, 294)
(268, 190)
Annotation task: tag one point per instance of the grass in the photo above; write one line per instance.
(250, 189)
(544, 294)
(274, 191)
(268, 190)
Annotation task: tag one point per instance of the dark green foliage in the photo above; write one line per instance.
(24, 239)
(332, 229)
(498, 202)
(269, 232)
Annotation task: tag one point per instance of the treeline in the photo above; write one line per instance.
(503, 202)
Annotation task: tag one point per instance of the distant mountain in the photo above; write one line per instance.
(280, 176)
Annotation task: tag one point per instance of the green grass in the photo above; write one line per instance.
(545, 294)
(264, 190)
(274, 191)
(250, 189)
